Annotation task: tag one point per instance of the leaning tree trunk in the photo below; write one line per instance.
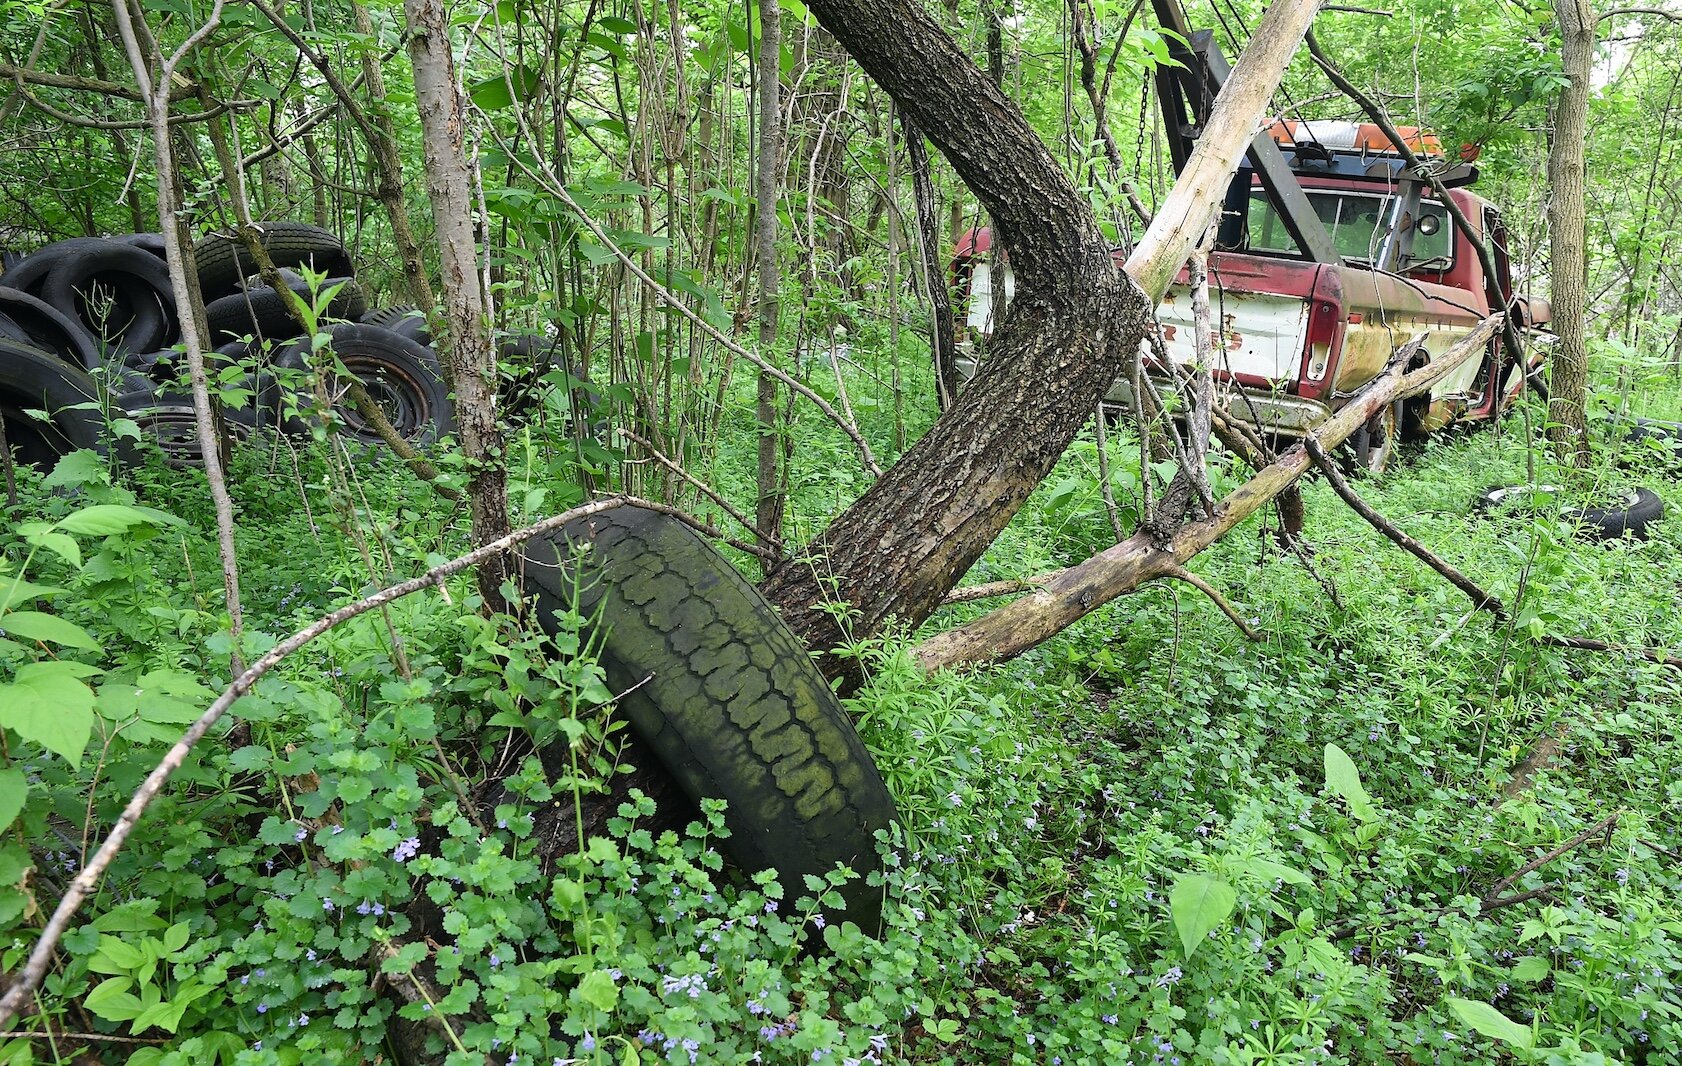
(468, 352)
(1073, 325)
(1568, 378)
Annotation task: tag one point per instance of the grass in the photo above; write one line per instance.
(1058, 810)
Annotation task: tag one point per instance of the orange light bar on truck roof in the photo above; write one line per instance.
(1352, 136)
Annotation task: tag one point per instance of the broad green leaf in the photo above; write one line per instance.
(80, 467)
(1278, 871)
(1343, 779)
(103, 519)
(1531, 969)
(47, 628)
(598, 990)
(14, 789)
(1199, 904)
(1491, 1022)
(48, 704)
(112, 1000)
(16, 590)
(62, 545)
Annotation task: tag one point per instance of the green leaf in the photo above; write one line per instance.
(62, 545)
(17, 590)
(80, 467)
(113, 1001)
(103, 519)
(598, 990)
(1531, 969)
(1343, 779)
(1491, 1022)
(47, 628)
(1278, 871)
(46, 703)
(14, 789)
(1199, 904)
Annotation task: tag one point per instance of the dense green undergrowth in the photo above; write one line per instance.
(1151, 840)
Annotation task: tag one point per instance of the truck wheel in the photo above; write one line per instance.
(1375, 443)
(724, 693)
(402, 378)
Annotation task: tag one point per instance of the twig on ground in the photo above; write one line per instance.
(1603, 826)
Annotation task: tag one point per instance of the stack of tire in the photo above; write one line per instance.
(103, 309)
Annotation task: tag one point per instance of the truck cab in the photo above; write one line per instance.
(1295, 335)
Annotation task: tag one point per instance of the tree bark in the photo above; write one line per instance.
(1568, 237)
(155, 77)
(768, 510)
(467, 348)
(1073, 326)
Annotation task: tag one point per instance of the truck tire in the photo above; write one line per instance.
(261, 312)
(222, 261)
(50, 329)
(401, 377)
(34, 380)
(1631, 514)
(724, 693)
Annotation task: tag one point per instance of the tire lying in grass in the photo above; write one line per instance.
(725, 695)
(261, 311)
(1650, 438)
(33, 380)
(50, 329)
(222, 261)
(1634, 511)
(402, 378)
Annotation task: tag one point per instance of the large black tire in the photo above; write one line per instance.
(261, 312)
(50, 329)
(407, 321)
(1631, 514)
(33, 380)
(724, 694)
(31, 273)
(401, 377)
(223, 261)
(119, 292)
(147, 242)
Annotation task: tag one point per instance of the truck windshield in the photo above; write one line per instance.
(1356, 222)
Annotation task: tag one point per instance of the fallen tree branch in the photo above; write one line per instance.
(1603, 825)
(1216, 597)
(1481, 599)
(1081, 589)
(23, 986)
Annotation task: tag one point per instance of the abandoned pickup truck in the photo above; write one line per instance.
(1308, 309)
